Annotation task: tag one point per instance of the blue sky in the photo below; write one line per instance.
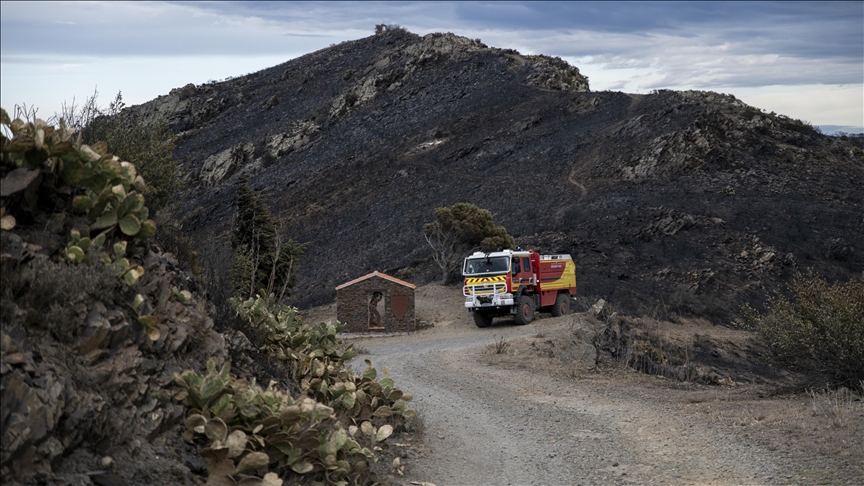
(801, 59)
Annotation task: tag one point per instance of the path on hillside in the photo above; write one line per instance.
(488, 426)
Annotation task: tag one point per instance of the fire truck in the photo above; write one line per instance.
(518, 283)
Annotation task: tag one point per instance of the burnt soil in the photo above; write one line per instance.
(672, 203)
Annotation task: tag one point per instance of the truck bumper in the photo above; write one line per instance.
(488, 301)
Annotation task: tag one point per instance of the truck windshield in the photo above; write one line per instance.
(484, 266)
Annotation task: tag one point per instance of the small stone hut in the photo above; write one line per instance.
(375, 302)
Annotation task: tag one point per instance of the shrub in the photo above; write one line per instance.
(500, 346)
(820, 331)
(172, 239)
(249, 428)
(151, 147)
(384, 28)
(317, 357)
(58, 287)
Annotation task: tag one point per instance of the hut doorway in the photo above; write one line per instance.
(374, 321)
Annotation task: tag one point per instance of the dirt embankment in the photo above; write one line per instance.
(541, 412)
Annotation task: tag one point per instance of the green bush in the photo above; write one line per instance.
(151, 147)
(317, 357)
(820, 331)
(256, 433)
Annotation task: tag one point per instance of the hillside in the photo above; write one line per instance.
(672, 203)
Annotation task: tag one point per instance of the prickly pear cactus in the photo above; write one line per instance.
(106, 189)
(260, 433)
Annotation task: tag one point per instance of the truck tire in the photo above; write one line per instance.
(562, 305)
(482, 319)
(525, 312)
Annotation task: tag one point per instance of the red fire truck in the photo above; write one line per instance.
(517, 283)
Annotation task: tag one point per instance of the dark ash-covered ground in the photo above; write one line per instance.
(672, 203)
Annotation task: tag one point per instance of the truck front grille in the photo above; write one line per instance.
(484, 289)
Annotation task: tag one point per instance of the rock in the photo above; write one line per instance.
(185, 92)
(6, 344)
(601, 310)
(12, 246)
(217, 167)
(107, 478)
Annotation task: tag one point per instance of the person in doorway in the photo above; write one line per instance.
(374, 315)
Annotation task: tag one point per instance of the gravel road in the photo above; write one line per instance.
(490, 425)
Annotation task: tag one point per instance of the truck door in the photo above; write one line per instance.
(515, 270)
(521, 269)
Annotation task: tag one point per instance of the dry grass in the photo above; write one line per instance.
(825, 428)
(836, 405)
(500, 346)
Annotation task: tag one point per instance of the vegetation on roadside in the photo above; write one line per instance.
(820, 331)
(460, 229)
(331, 432)
(499, 346)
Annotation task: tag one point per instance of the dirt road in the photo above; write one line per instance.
(486, 425)
(493, 425)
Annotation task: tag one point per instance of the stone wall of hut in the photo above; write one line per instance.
(352, 305)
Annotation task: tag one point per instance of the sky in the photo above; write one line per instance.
(801, 59)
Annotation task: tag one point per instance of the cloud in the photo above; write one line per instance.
(632, 29)
(147, 29)
(820, 105)
(631, 46)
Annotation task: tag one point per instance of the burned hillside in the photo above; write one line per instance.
(675, 202)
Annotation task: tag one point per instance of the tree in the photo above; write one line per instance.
(458, 230)
(265, 261)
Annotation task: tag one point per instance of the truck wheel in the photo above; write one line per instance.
(482, 319)
(525, 312)
(562, 305)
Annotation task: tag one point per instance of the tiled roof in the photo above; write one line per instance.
(376, 273)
